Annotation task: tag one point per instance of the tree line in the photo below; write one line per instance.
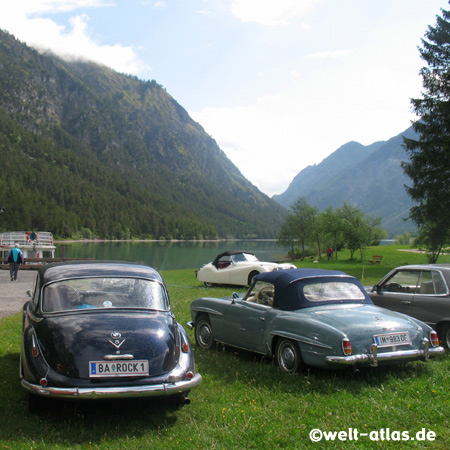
(429, 163)
(307, 231)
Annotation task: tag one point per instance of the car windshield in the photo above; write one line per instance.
(99, 293)
(332, 290)
(242, 257)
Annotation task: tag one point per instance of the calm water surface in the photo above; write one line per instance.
(169, 255)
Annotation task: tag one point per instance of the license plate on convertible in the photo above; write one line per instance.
(118, 368)
(392, 339)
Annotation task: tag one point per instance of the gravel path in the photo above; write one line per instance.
(13, 294)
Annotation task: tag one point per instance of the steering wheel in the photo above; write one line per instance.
(394, 287)
(70, 295)
(265, 297)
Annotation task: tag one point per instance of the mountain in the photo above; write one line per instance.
(312, 177)
(369, 177)
(87, 150)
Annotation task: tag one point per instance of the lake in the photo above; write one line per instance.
(169, 255)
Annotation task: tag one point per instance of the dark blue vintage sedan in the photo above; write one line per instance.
(97, 329)
(310, 317)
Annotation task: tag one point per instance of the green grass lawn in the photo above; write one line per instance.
(244, 402)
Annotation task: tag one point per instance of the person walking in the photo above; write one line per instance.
(15, 259)
(329, 253)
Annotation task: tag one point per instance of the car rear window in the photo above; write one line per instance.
(103, 293)
(332, 291)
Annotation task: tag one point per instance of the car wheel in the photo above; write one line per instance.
(445, 335)
(208, 284)
(289, 357)
(251, 276)
(204, 333)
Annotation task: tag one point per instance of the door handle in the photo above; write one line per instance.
(406, 302)
(261, 318)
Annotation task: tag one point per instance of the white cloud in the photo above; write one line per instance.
(270, 12)
(330, 54)
(273, 138)
(76, 42)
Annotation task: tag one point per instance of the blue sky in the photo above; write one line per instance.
(279, 84)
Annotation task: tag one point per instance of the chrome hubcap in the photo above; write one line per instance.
(288, 358)
(205, 334)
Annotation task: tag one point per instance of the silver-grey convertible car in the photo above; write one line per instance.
(421, 291)
(101, 329)
(312, 317)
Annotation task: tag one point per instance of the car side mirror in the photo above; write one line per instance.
(235, 296)
(377, 289)
(30, 293)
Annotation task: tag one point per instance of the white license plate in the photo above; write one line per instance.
(392, 339)
(118, 368)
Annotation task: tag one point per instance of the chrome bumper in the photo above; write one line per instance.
(157, 390)
(374, 357)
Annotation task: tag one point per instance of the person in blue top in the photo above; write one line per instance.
(15, 259)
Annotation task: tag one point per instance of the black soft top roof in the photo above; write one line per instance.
(229, 253)
(289, 284)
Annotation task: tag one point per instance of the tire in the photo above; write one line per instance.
(208, 284)
(444, 336)
(288, 356)
(203, 333)
(251, 276)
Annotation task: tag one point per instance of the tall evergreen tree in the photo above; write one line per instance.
(429, 165)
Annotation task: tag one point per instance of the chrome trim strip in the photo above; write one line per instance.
(303, 340)
(207, 310)
(154, 390)
(117, 357)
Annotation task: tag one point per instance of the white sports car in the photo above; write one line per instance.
(236, 268)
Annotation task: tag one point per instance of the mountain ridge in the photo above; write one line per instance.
(373, 181)
(168, 175)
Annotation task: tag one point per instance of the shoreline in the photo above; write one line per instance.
(78, 241)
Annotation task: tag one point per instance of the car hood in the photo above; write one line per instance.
(362, 321)
(70, 341)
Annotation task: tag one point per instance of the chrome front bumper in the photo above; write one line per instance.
(157, 390)
(374, 357)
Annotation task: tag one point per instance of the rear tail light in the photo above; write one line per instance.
(346, 346)
(34, 347)
(434, 339)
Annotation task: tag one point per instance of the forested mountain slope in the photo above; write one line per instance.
(83, 147)
(369, 177)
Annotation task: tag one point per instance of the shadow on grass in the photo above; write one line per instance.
(77, 422)
(230, 365)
